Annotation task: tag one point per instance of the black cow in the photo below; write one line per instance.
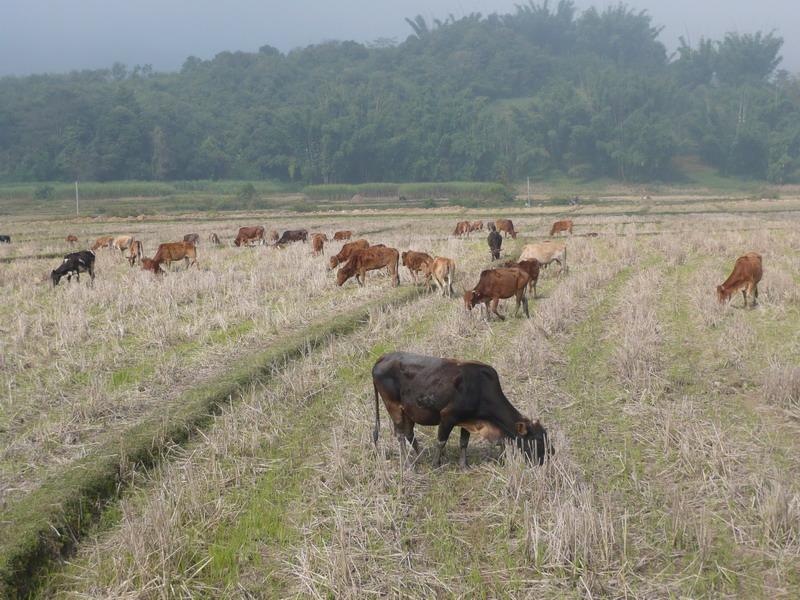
(293, 235)
(5, 239)
(426, 390)
(495, 241)
(74, 264)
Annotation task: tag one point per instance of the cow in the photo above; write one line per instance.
(476, 226)
(214, 239)
(102, 242)
(462, 228)
(136, 251)
(347, 251)
(565, 225)
(496, 284)
(273, 236)
(443, 271)
(317, 242)
(370, 259)
(495, 241)
(531, 267)
(175, 251)
(148, 264)
(323, 236)
(72, 240)
(342, 235)
(546, 252)
(293, 235)
(507, 227)
(747, 272)
(194, 238)
(426, 390)
(414, 262)
(122, 242)
(249, 236)
(5, 239)
(74, 264)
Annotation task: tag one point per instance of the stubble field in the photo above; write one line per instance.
(675, 420)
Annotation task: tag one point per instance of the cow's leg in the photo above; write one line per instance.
(495, 302)
(462, 444)
(445, 427)
(755, 294)
(524, 304)
(744, 295)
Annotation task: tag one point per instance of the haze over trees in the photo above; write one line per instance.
(545, 91)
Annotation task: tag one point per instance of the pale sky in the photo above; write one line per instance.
(60, 35)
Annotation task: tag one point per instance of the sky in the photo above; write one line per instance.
(46, 36)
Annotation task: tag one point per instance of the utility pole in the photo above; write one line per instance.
(529, 192)
(77, 201)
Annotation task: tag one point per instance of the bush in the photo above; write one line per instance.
(44, 192)
(246, 192)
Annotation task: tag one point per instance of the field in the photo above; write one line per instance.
(209, 434)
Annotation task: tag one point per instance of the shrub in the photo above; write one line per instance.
(44, 192)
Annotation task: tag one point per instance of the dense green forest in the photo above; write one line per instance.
(547, 90)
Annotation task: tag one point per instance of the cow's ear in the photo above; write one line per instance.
(522, 428)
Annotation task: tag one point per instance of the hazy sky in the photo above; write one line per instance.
(61, 35)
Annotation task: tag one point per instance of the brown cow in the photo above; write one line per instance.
(462, 228)
(425, 390)
(192, 237)
(347, 251)
(249, 236)
(370, 259)
(103, 242)
(414, 262)
(72, 240)
(531, 267)
(495, 284)
(175, 251)
(317, 242)
(443, 271)
(565, 225)
(214, 239)
(324, 236)
(136, 251)
(747, 272)
(293, 235)
(122, 242)
(507, 227)
(476, 226)
(342, 235)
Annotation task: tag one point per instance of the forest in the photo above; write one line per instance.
(546, 91)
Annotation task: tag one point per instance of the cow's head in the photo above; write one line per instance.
(55, 277)
(403, 258)
(723, 295)
(333, 262)
(343, 275)
(470, 299)
(533, 441)
(237, 241)
(513, 234)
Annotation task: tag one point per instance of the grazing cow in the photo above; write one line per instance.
(214, 239)
(249, 236)
(5, 239)
(72, 240)
(495, 241)
(74, 264)
(175, 251)
(324, 236)
(462, 228)
(293, 235)
(122, 242)
(497, 284)
(317, 242)
(425, 390)
(194, 238)
(507, 227)
(546, 252)
(565, 225)
(103, 242)
(531, 267)
(342, 235)
(148, 264)
(347, 251)
(370, 259)
(414, 262)
(476, 226)
(136, 251)
(443, 271)
(746, 274)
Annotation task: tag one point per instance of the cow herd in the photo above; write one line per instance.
(415, 389)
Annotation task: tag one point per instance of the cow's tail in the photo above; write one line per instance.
(377, 429)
